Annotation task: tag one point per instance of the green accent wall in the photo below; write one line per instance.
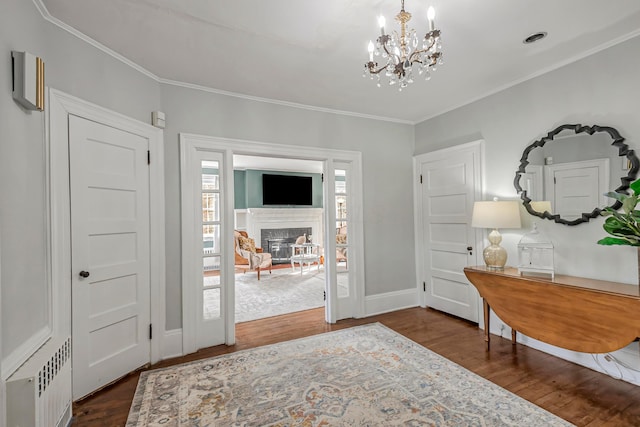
(248, 188)
(240, 189)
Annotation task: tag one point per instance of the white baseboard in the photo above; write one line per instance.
(172, 344)
(623, 364)
(390, 301)
(18, 356)
(374, 304)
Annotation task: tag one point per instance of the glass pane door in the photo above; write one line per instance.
(211, 300)
(210, 196)
(342, 242)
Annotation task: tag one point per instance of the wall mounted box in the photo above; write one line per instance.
(28, 80)
(158, 119)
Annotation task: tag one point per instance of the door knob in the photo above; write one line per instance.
(470, 249)
(84, 274)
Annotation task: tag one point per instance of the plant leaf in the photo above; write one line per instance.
(629, 204)
(610, 241)
(635, 186)
(618, 196)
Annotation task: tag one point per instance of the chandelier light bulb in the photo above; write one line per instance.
(381, 22)
(402, 51)
(370, 48)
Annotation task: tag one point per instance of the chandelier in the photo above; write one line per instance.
(400, 52)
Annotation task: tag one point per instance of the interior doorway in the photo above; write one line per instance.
(339, 168)
(279, 206)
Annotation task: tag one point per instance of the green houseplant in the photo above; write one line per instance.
(623, 226)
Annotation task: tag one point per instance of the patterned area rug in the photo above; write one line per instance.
(283, 291)
(362, 376)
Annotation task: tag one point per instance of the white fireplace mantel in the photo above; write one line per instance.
(269, 218)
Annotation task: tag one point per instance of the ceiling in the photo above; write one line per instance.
(312, 53)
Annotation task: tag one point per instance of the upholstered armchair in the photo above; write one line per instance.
(341, 239)
(247, 256)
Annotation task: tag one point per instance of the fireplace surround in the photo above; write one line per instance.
(263, 223)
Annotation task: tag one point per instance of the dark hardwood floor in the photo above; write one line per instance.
(577, 394)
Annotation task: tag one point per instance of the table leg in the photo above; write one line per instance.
(513, 336)
(487, 310)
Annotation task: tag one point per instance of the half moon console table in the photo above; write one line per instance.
(575, 313)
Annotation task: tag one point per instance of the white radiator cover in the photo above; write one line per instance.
(39, 392)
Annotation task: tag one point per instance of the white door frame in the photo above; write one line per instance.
(61, 105)
(420, 250)
(229, 147)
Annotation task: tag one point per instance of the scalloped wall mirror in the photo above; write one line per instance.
(563, 176)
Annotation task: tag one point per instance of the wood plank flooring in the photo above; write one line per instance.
(577, 394)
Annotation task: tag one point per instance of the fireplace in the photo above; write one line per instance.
(277, 241)
(269, 223)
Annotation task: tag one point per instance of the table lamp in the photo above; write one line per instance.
(541, 206)
(495, 214)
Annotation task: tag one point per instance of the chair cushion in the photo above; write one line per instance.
(341, 239)
(247, 244)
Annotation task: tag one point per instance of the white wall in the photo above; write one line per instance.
(386, 152)
(602, 89)
(75, 67)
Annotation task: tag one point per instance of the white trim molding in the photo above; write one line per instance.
(172, 344)
(391, 301)
(61, 105)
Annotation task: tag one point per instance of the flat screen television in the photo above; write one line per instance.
(287, 190)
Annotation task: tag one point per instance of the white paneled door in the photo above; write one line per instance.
(109, 178)
(576, 187)
(450, 185)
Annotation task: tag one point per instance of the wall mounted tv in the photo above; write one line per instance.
(286, 190)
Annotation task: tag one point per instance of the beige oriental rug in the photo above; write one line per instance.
(362, 376)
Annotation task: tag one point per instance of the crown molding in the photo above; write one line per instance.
(282, 103)
(531, 76)
(55, 21)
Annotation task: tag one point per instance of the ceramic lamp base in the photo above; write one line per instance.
(495, 256)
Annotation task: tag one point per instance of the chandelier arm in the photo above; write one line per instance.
(383, 40)
(372, 69)
(416, 53)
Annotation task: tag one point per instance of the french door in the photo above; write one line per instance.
(207, 199)
(345, 251)
(205, 273)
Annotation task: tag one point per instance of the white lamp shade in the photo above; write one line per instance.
(541, 206)
(496, 214)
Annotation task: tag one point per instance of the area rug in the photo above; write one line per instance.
(283, 291)
(362, 376)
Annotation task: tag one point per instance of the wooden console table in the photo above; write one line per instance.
(586, 315)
